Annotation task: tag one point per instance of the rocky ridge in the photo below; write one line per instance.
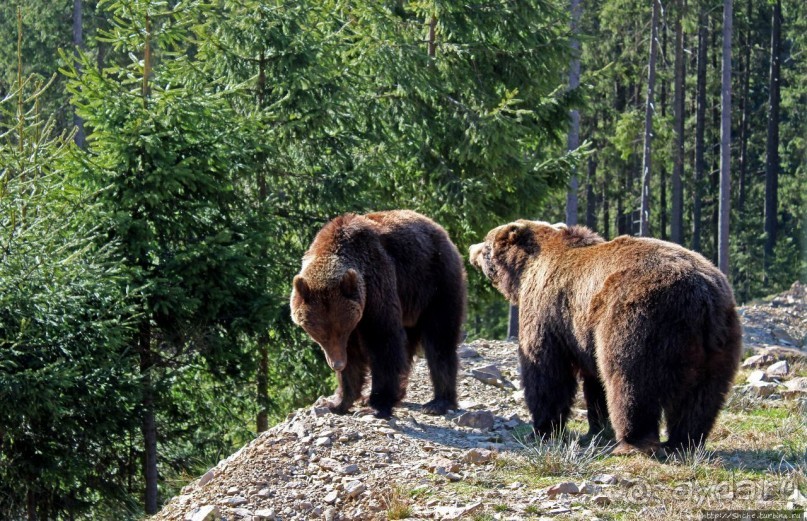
(317, 465)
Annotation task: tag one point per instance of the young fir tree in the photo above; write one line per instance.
(67, 383)
(163, 153)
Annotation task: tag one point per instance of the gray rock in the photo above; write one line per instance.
(605, 479)
(758, 360)
(796, 388)
(331, 496)
(242, 512)
(478, 456)
(206, 513)
(491, 375)
(757, 375)
(236, 501)
(488, 370)
(467, 352)
(562, 488)
(354, 488)
(318, 412)
(323, 441)
(601, 500)
(589, 488)
(267, 514)
(797, 384)
(206, 478)
(760, 389)
(349, 470)
(778, 369)
(476, 420)
(442, 466)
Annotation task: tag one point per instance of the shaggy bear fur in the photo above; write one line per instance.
(650, 326)
(373, 288)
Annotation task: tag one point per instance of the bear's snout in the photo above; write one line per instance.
(475, 253)
(338, 365)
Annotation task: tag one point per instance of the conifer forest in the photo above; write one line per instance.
(164, 164)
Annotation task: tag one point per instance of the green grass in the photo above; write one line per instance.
(754, 457)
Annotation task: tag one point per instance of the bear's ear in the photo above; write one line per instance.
(301, 287)
(517, 234)
(350, 284)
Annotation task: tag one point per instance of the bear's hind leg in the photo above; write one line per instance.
(690, 420)
(635, 413)
(594, 392)
(440, 337)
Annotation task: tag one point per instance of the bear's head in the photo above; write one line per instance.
(507, 250)
(329, 311)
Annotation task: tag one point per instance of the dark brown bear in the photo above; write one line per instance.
(650, 326)
(372, 289)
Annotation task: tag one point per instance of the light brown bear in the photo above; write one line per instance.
(650, 326)
(372, 289)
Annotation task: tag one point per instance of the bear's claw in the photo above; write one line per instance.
(383, 413)
(437, 407)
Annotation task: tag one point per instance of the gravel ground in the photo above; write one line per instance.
(317, 465)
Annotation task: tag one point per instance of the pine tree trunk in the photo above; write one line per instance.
(30, 505)
(772, 145)
(149, 425)
(746, 81)
(663, 167)
(677, 222)
(714, 190)
(78, 42)
(606, 205)
(574, 130)
(644, 216)
(622, 175)
(591, 208)
(262, 418)
(431, 48)
(725, 142)
(700, 125)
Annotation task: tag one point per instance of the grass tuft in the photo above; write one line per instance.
(564, 454)
(397, 504)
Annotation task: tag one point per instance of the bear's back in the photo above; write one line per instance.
(656, 265)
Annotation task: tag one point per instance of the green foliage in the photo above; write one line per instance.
(66, 383)
(222, 135)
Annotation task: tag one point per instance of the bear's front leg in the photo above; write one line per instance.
(351, 379)
(549, 383)
(388, 366)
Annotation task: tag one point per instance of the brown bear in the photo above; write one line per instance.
(373, 288)
(650, 326)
